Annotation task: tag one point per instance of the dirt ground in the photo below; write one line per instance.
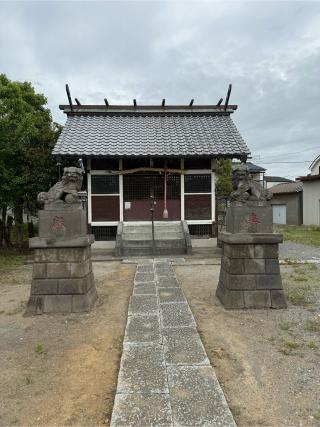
(267, 361)
(62, 369)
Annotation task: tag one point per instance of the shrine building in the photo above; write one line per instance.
(136, 155)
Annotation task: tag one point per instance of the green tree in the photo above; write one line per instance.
(223, 171)
(27, 136)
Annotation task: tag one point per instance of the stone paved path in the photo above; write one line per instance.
(165, 376)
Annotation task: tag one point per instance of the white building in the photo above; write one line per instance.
(311, 194)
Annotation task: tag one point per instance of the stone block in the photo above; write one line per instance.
(257, 299)
(182, 346)
(257, 218)
(190, 387)
(258, 251)
(74, 254)
(143, 329)
(269, 281)
(46, 255)
(167, 282)
(271, 251)
(254, 266)
(145, 268)
(238, 251)
(142, 369)
(143, 304)
(169, 295)
(80, 269)
(144, 277)
(278, 299)
(233, 265)
(176, 315)
(57, 304)
(44, 287)
(147, 288)
(84, 302)
(62, 224)
(229, 298)
(272, 266)
(240, 282)
(141, 410)
(35, 305)
(56, 270)
(75, 286)
(39, 270)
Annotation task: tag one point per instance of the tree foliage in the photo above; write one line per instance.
(223, 171)
(27, 136)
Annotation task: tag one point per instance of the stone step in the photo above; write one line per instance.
(148, 236)
(157, 243)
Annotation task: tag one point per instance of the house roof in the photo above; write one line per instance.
(314, 162)
(94, 131)
(288, 187)
(252, 167)
(276, 179)
(309, 178)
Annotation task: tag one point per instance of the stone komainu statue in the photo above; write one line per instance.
(245, 188)
(65, 190)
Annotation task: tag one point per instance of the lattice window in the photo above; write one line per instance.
(104, 233)
(197, 183)
(105, 184)
(200, 230)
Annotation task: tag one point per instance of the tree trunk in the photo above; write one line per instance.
(3, 226)
(18, 220)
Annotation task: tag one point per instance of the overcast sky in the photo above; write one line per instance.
(178, 50)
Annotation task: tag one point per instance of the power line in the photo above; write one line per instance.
(272, 163)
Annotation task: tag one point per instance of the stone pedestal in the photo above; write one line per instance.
(250, 272)
(62, 271)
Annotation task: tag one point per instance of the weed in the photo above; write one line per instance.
(39, 348)
(312, 345)
(312, 325)
(291, 345)
(296, 296)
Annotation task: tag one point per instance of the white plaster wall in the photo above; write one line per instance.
(315, 168)
(311, 202)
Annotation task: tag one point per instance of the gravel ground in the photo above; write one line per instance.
(299, 251)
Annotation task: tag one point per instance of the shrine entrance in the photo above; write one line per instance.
(138, 190)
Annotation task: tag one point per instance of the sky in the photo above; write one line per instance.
(178, 50)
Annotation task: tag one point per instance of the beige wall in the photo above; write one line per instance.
(311, 202)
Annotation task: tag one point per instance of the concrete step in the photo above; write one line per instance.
(148, 236)
(157, 243)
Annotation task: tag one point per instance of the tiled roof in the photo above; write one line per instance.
(289, 187)
(268, 178)
(150, 135)
(252, 167)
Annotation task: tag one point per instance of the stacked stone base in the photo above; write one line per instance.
(62, 279)
(250, 272)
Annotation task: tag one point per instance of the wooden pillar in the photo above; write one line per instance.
(182, 189)
(121, 190)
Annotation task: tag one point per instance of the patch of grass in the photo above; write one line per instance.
(39, 348)
(312, 345)
(292, 345)
(308, 235)
(316, 415)
(312, 325)
(297, 296)
(300, 277)
(9, 259)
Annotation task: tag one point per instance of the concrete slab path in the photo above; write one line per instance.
(165, 377)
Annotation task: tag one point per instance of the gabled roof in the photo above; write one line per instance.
(94, 131)
(276, 179)
(314, 162)
(289, 187)
(252, 167)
